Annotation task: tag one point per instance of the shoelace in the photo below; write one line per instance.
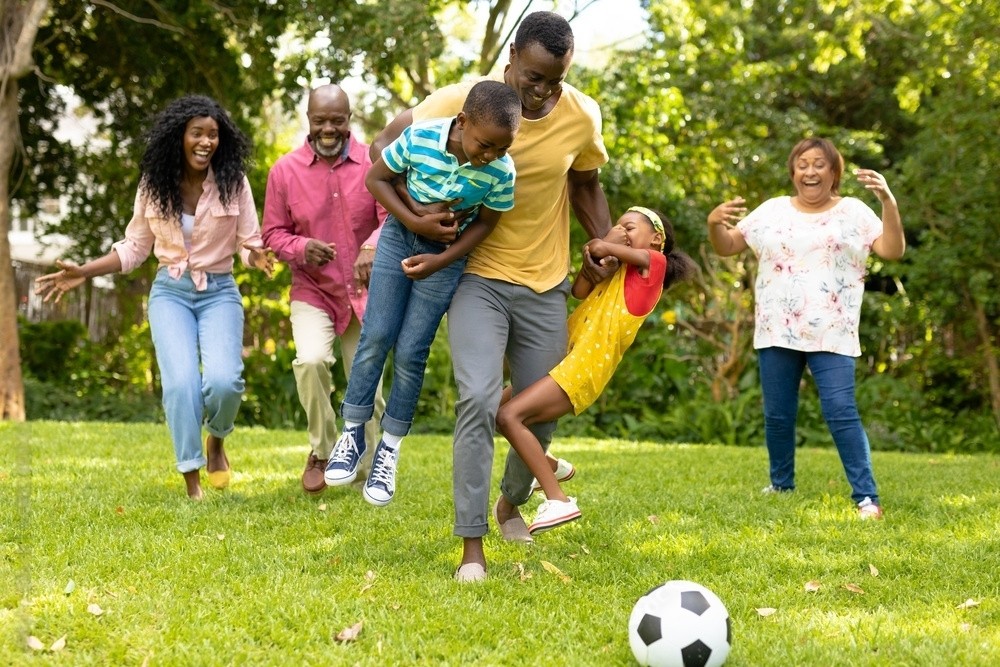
(382, 471)
(345, 449)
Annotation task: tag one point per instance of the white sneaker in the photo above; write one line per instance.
(554, 513)
(381, 484)
(564, 471)
(771, 488)
(342, 467)
(869, 510)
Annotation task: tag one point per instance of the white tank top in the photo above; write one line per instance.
(187, 227)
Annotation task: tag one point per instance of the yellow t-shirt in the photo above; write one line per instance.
(530, 245)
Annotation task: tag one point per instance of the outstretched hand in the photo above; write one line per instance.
(729, 212)
(261, 258)
(874, 181)
(57, 284)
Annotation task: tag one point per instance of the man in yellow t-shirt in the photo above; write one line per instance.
(511, 301)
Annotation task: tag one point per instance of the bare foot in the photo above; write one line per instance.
(193, 483)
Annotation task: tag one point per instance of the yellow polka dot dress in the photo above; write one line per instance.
(602, 327)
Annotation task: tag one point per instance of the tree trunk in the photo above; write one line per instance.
(986, 339)
(19, 21)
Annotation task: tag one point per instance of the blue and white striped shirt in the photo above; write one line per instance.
(433, 174)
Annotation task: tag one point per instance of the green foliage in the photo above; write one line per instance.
(272, 575)
(46, 347)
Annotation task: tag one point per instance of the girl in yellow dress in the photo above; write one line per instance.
(601, 328)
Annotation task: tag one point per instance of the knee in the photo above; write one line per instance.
(223, 384)
(312, 363)
(506, 420)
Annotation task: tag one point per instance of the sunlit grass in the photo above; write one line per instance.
(261, 574)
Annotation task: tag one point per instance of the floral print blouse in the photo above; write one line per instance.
(810, 278)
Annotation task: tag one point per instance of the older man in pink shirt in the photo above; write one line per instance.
(320, 218)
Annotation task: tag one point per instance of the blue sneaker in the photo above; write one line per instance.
(343, 465)
(381, 484)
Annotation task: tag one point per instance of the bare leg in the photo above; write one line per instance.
(472, 551)
(215, 452)
(505, 397)
(543, 401)
(191, 479)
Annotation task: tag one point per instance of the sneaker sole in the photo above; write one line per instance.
(536, 487)
(343, 481)
(374, 501)
(536, 528)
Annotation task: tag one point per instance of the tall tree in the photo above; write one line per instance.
(19, 21)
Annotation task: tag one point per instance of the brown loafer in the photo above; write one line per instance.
(312, 476)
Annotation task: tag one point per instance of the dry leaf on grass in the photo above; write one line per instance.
(95, 609)
(965, 627)
(854, 588)
(321, 507)
(584, 549)
(873, 570)
(220, 537)
(765, 611)
(552, 569)
(522, 574)
(968, 604)
(349, 634)
(120, 510)
(70, 587)
(653, 519)
(812, 586)
(35, 644)
(58, 644)
(370, 581)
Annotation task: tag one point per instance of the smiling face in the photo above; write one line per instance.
(813, 178)
(639, 231)
(201, 138)
(483, 142)
(329, 115)
(537, 76)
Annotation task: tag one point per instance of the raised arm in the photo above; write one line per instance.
(724, 237)
(892, 244)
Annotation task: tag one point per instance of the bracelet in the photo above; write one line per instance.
(368, 246)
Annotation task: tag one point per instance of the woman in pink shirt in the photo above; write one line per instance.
(194, 211)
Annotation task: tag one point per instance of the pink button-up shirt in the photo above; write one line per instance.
(219, 232)
(308, 198)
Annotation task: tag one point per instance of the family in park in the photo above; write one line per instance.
(461, 206)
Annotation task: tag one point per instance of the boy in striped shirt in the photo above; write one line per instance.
(461, 160)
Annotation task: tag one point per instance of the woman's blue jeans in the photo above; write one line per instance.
(198, 338)
(780, 375)
(402, 315)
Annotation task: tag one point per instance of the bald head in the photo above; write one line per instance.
(329, 116)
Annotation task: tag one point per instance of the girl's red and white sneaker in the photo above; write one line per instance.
(554, 513)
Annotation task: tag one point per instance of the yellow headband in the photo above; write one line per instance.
(653, 218)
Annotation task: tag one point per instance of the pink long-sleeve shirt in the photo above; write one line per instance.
(219, 232)
(308, 198)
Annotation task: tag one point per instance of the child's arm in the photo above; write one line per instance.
(637, 257)
(421, 266)
(436, 226)
(598, 249)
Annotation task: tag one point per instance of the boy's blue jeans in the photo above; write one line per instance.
(198, 338)
(401, 315)
(780, 375)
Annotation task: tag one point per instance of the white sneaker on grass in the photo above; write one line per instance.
(869, 510)
(564, 471)
(554, 513)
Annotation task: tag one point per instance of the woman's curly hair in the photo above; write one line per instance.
(162, 165)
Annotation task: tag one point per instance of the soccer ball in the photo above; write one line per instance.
(679, 624)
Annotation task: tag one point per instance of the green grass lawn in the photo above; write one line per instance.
(260, 574)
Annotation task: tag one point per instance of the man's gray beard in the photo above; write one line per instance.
(323, 151)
